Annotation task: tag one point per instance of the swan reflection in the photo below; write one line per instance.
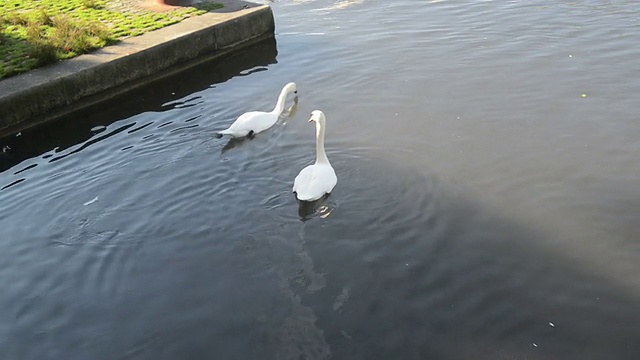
(321, 208)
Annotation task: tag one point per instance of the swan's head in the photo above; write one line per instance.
(291, 88)
(317, 116)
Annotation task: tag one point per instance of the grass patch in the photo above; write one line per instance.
(34, 33)
(208, 6)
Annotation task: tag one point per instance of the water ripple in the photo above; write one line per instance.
(480, 197)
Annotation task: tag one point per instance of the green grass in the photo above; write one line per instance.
(34, 33)
(208, 6)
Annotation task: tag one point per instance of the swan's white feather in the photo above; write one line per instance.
(258, 121)
(314, 182)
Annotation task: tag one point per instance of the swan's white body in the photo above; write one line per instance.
(253, 122)
(318, 179)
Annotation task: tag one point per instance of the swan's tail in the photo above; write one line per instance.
(220, 134)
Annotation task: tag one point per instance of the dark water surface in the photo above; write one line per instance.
(485, 208)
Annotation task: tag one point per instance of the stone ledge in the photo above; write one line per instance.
(50, 92)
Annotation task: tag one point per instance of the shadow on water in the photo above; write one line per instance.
(421, 274)
(233, 143)
(159, 96)
(401, 269)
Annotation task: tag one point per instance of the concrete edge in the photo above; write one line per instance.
(48, 93)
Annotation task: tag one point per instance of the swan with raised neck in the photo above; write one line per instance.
(318, 179)
(317, 116)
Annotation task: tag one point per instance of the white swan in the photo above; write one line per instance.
(253, 122)
(318, 179)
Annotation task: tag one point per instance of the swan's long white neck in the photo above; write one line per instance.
(280, 104)
(321, 156)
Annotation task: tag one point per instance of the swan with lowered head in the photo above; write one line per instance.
(318, 179)
(253, 122)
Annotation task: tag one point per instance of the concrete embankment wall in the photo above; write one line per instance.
(47, 93)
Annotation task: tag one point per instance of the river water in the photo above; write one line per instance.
(487, 206)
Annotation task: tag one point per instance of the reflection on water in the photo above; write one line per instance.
(320, 208)
(485, 210)
(164, 95)
(293, 109)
